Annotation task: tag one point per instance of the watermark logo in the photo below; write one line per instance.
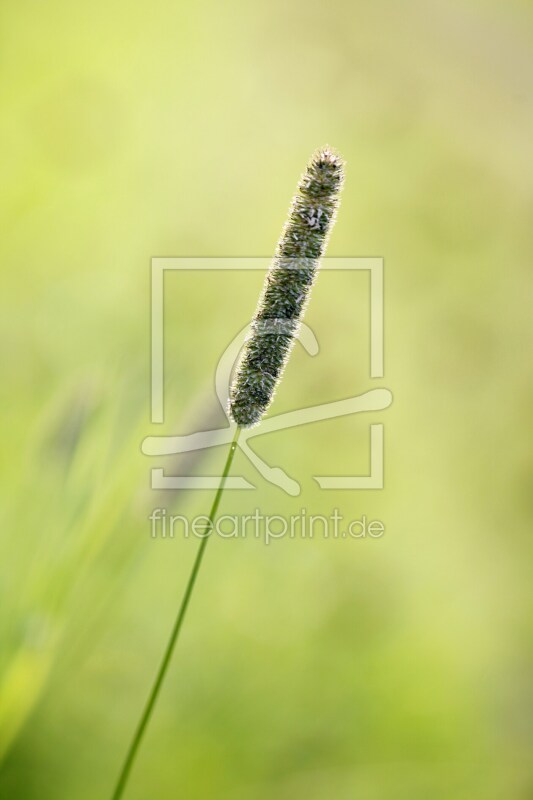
(376, 399)
(267, 527)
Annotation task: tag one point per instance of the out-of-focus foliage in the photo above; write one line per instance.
(390, 668)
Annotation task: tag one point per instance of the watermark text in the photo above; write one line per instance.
(268, 527)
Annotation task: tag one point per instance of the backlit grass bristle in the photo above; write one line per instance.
(286, 288)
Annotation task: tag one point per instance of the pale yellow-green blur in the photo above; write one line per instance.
(396, 668)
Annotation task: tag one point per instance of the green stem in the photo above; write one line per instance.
(150, 703)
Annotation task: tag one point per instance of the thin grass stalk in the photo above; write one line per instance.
(174, 636)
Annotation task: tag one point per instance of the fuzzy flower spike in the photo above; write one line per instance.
(286, 289)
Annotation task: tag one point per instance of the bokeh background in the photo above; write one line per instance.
(391, 668)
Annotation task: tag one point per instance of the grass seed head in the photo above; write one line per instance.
(286, 288)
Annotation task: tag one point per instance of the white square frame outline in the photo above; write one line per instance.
(373, 264)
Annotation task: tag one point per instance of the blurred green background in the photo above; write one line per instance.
(389, 668)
